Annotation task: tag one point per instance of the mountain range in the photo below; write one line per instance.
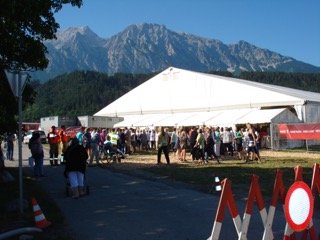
(146, 48)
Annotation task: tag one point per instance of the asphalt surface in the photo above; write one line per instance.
(143, 206)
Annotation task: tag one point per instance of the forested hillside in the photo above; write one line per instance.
(85, 92)
(302, 81)
(80, 93)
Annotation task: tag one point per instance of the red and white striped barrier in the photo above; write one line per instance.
(227, 199)
(254, 194)
(278, 189)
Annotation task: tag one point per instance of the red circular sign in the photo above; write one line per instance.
(299, 206)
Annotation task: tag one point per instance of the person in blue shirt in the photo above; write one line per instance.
(79, 136)
(10, 140)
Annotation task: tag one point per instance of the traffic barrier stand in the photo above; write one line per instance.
(289, 232)
(227, 199)
(254, 194)
(278, 189)
(315, 184)
(40, 219)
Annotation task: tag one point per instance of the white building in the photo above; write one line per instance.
(85, 121)
(99, 121)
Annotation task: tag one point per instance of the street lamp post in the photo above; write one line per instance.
(17, 85)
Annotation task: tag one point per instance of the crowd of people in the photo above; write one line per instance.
(204, 144)
(95, 140)
(214, 143)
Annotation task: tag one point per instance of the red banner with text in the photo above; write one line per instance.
(305, 131)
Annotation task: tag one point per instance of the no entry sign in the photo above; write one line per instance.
(299, 206)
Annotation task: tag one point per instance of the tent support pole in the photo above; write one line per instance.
(307, 146)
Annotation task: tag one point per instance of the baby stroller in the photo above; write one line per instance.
(86, 188)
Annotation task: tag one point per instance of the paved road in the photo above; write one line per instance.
(143, 207)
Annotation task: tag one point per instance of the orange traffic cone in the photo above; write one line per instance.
(41, 221)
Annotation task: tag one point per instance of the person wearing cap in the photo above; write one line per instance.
(36, 149)
(54, 140)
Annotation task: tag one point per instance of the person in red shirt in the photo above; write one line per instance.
(54, 140)
(64, 139)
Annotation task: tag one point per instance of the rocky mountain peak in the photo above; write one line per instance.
(144, 48)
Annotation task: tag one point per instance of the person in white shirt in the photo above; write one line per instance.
(153, 139)
(228, 140)
(148, 139)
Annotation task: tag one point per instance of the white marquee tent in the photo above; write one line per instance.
(181, 97)
(214, 118)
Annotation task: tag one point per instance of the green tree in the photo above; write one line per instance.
(93, 91)
(24, 25)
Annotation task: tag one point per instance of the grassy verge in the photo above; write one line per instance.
(11, 218)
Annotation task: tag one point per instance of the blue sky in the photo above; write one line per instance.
(289, 27)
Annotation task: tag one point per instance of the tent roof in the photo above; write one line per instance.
(179, 91)
(214, 118)
(229, 117)
(262, 116)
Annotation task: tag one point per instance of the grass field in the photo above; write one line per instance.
(200, 177)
